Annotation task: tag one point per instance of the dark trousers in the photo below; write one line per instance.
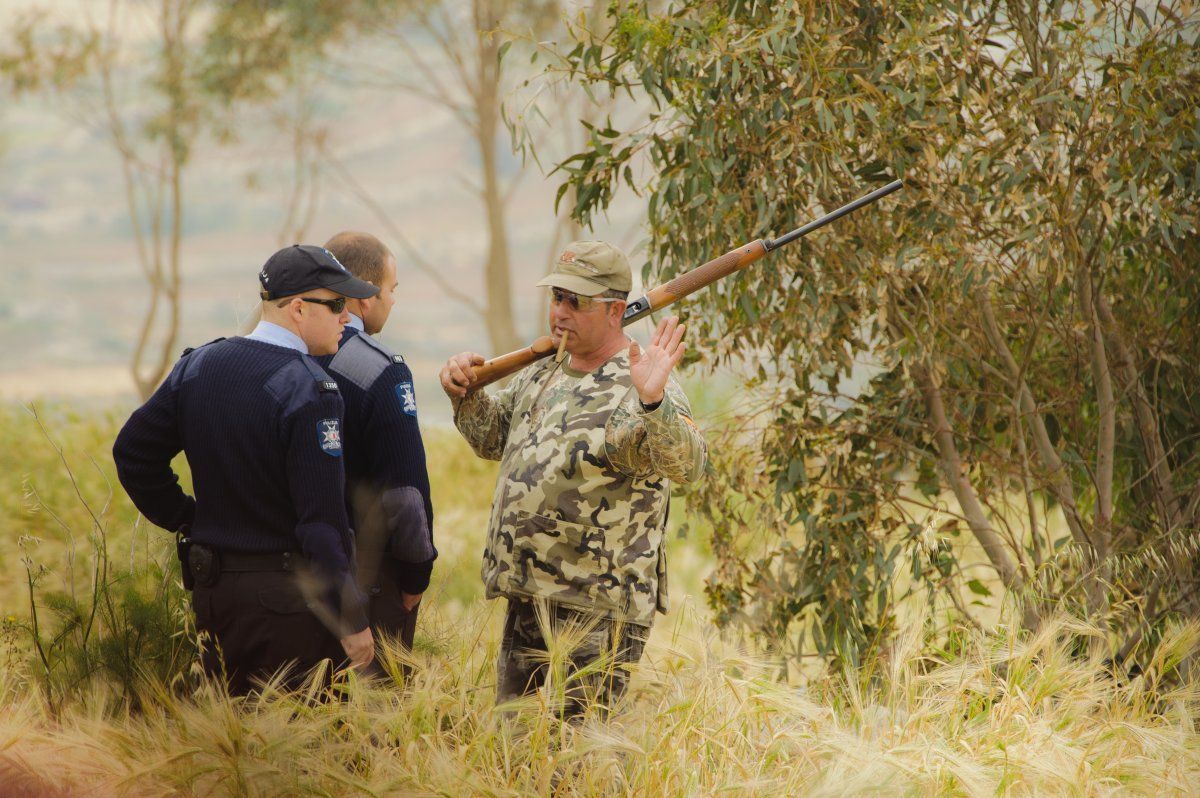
(385, 610)
(523, 668)
(255, 624)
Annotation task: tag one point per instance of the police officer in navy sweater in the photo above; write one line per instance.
(269, 552)
(387, 482)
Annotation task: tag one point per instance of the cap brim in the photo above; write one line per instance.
(354, 288)
(573, 283)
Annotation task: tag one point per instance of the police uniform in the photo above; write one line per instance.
(271, 554)
(387, 482)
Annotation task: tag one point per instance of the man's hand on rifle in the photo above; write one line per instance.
(459, 373)
(650, 368)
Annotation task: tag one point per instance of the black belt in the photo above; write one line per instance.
(243, 562)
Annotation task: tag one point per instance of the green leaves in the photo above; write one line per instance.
(978, 588)
(1032, 168)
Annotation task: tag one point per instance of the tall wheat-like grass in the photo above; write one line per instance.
(1013, 716)
(1005, 714)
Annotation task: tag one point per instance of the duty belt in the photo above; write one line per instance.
(206, 563)
(236, 562)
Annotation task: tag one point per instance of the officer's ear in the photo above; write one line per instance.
(294, 308)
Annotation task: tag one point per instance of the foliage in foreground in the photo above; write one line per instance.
(1014, 716)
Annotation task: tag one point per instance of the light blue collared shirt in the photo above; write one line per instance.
(271, 333)
(356, 323)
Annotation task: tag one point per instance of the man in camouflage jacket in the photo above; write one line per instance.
(587, 448)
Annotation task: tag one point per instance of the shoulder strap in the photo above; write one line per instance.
(324, 383)
(370, 341)
(191, 349)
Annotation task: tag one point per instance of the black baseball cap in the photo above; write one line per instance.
(303, 267)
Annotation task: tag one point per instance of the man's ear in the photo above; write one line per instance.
(295, 309)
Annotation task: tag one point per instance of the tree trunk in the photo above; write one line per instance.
(954, 471)
(498, 310)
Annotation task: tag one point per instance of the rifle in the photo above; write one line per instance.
(668, 293)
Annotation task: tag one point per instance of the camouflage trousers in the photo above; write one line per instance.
(595, 659)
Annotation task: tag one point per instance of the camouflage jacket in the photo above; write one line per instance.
(580, 502)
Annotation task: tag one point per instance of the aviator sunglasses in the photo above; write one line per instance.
(577, 302)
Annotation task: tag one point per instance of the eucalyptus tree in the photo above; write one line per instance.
(988, 386)
(160, 78)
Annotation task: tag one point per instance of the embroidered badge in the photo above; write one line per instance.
(407, 397)
(329, 436)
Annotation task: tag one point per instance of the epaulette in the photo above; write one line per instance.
(380, 348)
(191, 349)
(325, 384)
(362, 359)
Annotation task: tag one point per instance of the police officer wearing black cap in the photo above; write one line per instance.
(267, 549)
(386, 477)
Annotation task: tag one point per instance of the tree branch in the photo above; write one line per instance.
(410, 250)
(954, 472)
(1144, 416)
(1059, 480)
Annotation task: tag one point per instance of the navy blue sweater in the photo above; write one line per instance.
(387, 481)
(260, 426)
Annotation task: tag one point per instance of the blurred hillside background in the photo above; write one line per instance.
(390, 159)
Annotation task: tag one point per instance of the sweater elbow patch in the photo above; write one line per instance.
(409, 525)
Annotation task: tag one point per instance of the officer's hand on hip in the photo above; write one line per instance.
(410, 600)
(459, 372)
(360, 648)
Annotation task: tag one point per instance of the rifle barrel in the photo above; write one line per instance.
(664, 295)
(849, 207)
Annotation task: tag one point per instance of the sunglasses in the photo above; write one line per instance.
(335, 305)
(577, 302)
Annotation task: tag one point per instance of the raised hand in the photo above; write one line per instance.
(649, 369)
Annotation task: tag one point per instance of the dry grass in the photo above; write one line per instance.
(1014, 717)
(1007, 715)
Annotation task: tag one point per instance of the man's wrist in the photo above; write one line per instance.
(651, 404)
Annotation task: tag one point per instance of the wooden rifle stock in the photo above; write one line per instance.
(658, 298)
(501, 366)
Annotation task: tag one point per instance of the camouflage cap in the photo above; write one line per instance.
(590, 268)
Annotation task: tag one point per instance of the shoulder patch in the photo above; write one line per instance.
(329, 436)
(397, 358)
(324, 381)
(370, 341)
(360, 360)
(299, 382)
(407, 397)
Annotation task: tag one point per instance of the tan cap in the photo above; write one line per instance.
(590, 268)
